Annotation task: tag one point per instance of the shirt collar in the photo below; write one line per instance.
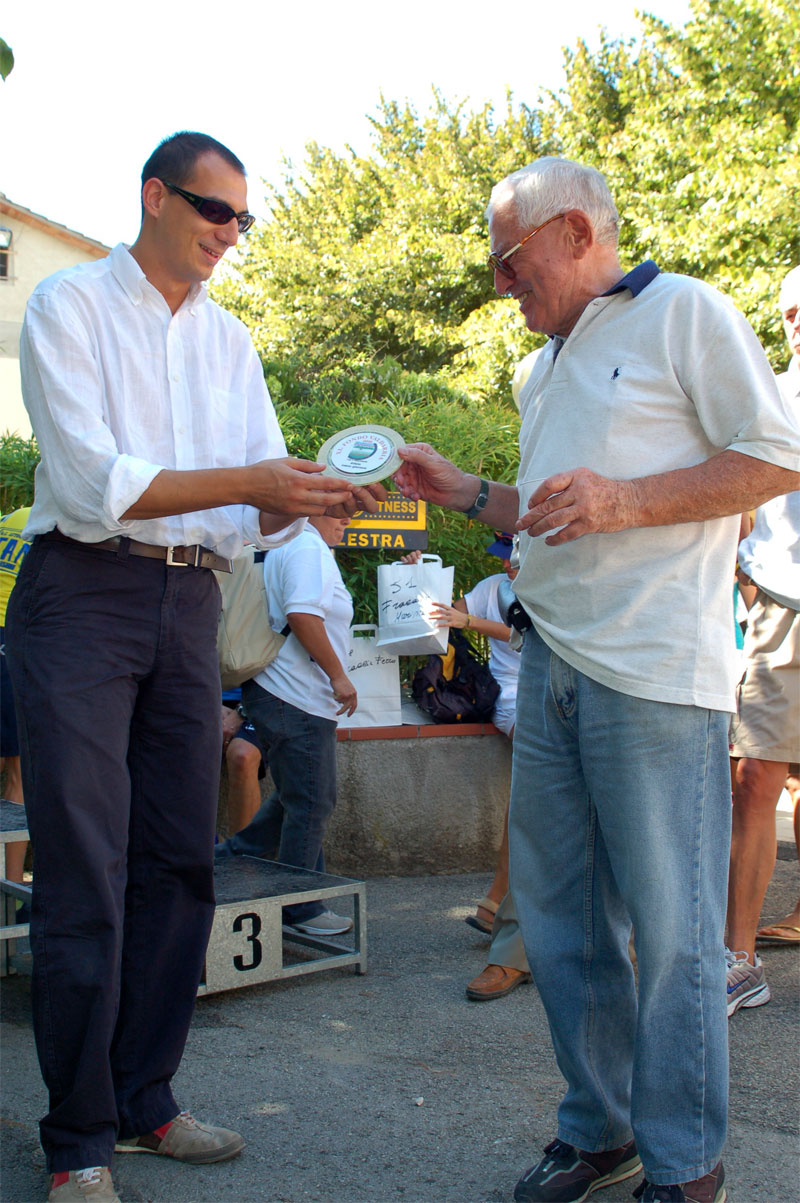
(135, 283)
(637, 279)
(127, 272)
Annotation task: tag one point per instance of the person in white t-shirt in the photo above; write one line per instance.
(765, 735)
(293, 705)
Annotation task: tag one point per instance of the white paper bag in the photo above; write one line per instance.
(406, 593)
(376, 676)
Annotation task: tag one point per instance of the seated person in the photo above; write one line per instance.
(244, 761)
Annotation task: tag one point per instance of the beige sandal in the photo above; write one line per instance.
(485, 904)
(772, 934)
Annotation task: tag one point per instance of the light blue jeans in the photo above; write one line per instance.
(620, 812)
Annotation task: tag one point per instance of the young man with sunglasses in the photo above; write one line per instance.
(650, 421)
(161, 455)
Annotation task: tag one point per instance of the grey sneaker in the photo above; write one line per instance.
(186, 1139)
(747, 985)
(75, 1186)
(568, 1175)
(326, 924)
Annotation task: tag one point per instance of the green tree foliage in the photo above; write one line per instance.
(386, 256)
(696, 129)
(6, 59)
(18, 460)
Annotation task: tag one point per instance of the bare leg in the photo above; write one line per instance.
(792, 920)
(753, 847)
(499, 887)
(12, 791)
(244, 793)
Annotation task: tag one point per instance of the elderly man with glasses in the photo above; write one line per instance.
(161, 455)
(650, 421)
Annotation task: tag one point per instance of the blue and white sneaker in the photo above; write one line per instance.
(747, 985)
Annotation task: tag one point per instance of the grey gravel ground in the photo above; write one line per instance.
(324, 1074)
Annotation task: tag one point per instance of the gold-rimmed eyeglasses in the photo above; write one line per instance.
(500, 263)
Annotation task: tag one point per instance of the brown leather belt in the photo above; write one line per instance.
(176, 557)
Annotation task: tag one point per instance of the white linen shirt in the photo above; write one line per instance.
(119, 388)
(644, 384)
(304, 578)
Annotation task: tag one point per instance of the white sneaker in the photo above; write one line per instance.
(326, 924)
(747, 985)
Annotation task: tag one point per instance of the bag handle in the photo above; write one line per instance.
(364, 626)
(425, 558)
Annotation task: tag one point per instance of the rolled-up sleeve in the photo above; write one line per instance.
(90, 480)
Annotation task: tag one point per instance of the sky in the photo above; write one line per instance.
(96, 85)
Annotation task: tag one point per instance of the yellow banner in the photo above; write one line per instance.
(397, 524)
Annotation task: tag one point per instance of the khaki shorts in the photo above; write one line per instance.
(767, 726)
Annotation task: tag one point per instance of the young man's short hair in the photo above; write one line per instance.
(173, 159)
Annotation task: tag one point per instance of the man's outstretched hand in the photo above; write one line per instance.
(363, 497)
(428, 476)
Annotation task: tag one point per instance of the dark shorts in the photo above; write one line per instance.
(247, 732)
(9, 740)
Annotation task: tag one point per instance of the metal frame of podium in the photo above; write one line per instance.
(250, 944)
(13, 827)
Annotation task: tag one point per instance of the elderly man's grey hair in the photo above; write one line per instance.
(549, 186)
(790, 289)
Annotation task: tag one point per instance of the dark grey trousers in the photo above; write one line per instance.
(113, 662)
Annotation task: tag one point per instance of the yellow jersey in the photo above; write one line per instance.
(13, 549)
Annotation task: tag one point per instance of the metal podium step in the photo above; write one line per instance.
(13, 827)
(249, 943)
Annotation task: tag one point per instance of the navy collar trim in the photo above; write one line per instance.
(637, 279)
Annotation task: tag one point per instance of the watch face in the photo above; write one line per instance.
(362, 454)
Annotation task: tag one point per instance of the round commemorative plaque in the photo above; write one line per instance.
(362, 454)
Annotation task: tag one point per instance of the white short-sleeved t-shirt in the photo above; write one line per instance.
(303, 577)
(770, 555)
(647, 383)
(503, 660)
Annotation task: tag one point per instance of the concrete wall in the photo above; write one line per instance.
(416, 801)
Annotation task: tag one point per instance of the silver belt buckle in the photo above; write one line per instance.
(171, 563)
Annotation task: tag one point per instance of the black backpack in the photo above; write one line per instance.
(455, 687)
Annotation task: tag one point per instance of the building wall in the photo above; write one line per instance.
(35, 253)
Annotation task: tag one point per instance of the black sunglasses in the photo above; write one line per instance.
(217, 212)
